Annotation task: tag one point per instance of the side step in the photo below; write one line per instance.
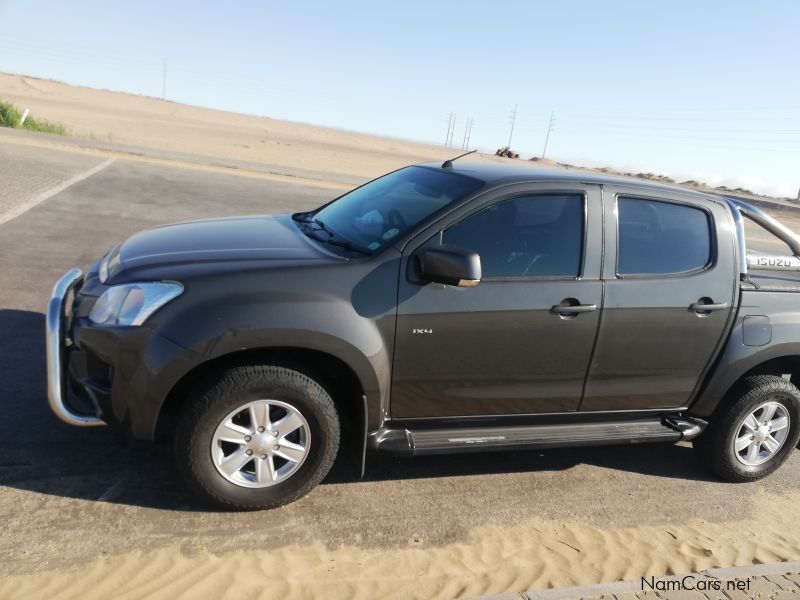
(405, 442)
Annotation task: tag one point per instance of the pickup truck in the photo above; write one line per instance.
(442, 308)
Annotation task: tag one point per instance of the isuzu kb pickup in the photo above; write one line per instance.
(442, 308)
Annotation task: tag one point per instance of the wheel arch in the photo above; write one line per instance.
(340, 379)
(782, 361)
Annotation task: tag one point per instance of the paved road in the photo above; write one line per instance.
(69, 496)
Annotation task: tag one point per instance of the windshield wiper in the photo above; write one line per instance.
(322, 226)
(333, 242)
(347, 246)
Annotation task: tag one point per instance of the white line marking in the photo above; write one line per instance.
(20, 209)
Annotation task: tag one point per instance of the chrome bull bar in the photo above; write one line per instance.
(56, 337)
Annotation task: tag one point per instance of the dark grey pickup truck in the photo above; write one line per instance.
(440, 309)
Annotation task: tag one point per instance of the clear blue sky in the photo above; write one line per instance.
(687, 88)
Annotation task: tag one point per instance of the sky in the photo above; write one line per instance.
(694, 90)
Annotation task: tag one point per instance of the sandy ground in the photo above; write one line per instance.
(149, 122)
(140, 121)
(85, 517)
(533, 554)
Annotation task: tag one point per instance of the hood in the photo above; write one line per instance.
(231, 240)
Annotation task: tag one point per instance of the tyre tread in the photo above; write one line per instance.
(711, 446)
(237, 378)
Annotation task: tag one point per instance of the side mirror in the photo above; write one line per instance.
(451, 265)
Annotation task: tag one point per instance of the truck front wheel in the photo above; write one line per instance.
(754, 431)
(257, 437)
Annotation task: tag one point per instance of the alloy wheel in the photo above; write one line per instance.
(762, 434)
(261, 443)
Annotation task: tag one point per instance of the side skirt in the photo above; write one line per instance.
(410, 442)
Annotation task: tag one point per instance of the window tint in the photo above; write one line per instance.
(760, 241)
(661, 237)
(532, 236)
(378, 212)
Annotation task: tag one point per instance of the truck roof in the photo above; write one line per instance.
(497, 173)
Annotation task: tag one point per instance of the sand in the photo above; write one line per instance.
(535, 554)
(141, 121)
(149, 122)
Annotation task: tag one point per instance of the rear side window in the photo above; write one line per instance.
(530, 236)
(659, 238)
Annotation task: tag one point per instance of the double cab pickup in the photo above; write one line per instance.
(442, 308)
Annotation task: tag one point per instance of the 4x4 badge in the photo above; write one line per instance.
(421, 331)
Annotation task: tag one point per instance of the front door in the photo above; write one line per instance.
(670, 277)
(501, 348)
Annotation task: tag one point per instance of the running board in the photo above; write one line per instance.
(405, 442)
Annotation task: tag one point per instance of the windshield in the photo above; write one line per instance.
(372, 216)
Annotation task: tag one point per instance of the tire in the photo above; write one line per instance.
(716, 446)
(258, 484)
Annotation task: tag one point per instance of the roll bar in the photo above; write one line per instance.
(763, 261)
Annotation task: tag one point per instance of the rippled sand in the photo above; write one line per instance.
(537, 554)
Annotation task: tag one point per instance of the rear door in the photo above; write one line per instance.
(500, 348)
(669, 276)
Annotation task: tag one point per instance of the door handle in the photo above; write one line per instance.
(566, 310)
(702, 307)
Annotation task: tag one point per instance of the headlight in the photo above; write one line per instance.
(132, 303)
(102, 270)
(108, 265)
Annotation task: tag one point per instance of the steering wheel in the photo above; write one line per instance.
(395, 219)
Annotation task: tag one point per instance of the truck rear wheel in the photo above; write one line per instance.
(755, 432)
(258, 437)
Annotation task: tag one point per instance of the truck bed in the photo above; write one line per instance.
(773, 281)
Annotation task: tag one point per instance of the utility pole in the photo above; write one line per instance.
(513, 121)
(549, 129)
(449, 125)
(164, 82)
(452, 131)
(467, 133)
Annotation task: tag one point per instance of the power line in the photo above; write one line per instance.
(83, 53)
(757, 129)
(706, 138)
(702, 146)
(231, 83)
(710, 118)
(690, 109)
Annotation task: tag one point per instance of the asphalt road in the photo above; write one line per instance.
(69, 496)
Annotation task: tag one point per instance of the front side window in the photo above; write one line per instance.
(658, 238)
(374, 215)
(530, 236)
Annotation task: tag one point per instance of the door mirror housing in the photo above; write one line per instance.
(451, 265)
